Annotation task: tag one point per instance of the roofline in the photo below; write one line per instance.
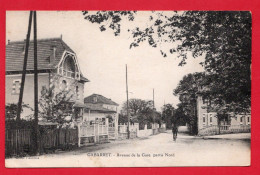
(102, 103)
(100, 110)
(31, 40)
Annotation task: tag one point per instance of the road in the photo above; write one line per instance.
(158, 150)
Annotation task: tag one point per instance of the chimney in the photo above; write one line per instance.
(61, 36)
(53, 57)
(8, 42)
(54, 52)
(24, 46)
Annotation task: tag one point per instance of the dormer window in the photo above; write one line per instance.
(95, 99)
(69, 67)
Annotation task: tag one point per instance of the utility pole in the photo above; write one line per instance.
(127, 110)
(153, 107)
(19, 109)
(153, 98)
(35, 85)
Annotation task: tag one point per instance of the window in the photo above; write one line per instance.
(77, 92)
(210, 119)
(241, 119)
(16, 86)
(63, 85)
(95, 99)
(204, 118)
(248, 119)
(205, 101)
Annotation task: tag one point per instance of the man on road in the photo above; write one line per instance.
(174, 131)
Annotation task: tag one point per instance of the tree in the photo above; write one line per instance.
(11, 111)
(168, 114)
(11, 121)
(57, 106)
(224, 37)
(187, 91)
(141, 111)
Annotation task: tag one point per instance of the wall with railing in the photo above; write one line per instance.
(102, 133)
(224, 129)
(154, 130)
(122, 131)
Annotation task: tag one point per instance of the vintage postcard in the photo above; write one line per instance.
(127, 88)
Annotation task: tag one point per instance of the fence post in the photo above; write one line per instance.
(97, 135)
(116, 126)
(136, 128)
(106, 125)
(79, 135)
(95, 139)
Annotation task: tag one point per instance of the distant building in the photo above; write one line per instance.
(101, 110)
(208, 122)
(57, 66)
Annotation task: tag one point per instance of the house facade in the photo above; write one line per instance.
(208, 122)
(58, 69)
(102, 111)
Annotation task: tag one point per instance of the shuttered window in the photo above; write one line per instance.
(16, 87)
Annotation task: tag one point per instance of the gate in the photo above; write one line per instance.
(86, 131)
(111, 132)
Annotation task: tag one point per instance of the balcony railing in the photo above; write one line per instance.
(68, 73)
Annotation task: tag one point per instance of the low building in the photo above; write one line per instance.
(101, 110)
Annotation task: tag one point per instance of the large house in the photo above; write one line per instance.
(58, 69)
(208, 122)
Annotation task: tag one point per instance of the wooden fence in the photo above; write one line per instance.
(20, 141)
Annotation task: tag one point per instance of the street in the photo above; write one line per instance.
(157, 150)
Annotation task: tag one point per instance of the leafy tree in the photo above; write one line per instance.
(11, 110)
(57, 107)
(187, 91)
(168, 115)
(122, 118)
(11, 121)
(141, 111)
(223, 37)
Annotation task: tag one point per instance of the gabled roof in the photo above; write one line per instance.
(99, 100)
(15, 54)
(97, 108)
(45, 54)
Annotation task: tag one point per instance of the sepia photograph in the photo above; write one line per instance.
(127, 88)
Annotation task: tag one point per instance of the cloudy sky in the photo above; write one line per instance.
(102, 56)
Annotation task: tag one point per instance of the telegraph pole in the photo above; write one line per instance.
(35, 85)
(153, 98)
(153, 107)
(127, 110)
(19, 109)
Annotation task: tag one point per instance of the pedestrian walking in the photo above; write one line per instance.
(174, 131)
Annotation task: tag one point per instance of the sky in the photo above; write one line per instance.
(103, 57)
